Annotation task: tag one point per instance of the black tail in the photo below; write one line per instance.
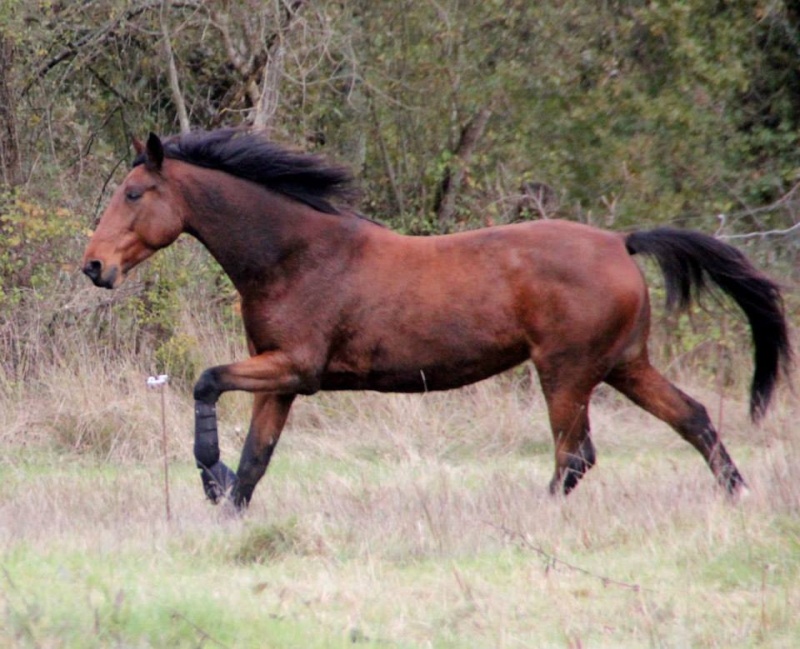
(688, 259)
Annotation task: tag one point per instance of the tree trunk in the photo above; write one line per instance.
(450, 186)
(267, 104)
(9, 146)
(172, 71)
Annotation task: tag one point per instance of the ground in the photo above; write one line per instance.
(410, 521)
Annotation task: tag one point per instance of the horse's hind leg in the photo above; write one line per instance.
(568, 409)
(647, 388)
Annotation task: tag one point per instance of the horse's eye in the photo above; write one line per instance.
(134, 194)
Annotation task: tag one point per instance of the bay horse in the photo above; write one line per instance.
(334, 301)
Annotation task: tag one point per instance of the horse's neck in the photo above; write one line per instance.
(253, 233)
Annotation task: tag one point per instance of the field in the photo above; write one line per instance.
(391, 521)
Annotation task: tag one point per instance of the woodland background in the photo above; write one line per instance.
(392, 520)
(454, 114)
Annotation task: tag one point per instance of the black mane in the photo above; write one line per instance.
(305, 177)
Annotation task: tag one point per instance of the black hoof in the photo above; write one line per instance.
(562, 486)
(218, 481)
(734, 484)
(567, 478)
(241, 496)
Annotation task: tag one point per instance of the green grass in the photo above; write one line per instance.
(140, 598)
(393, 521)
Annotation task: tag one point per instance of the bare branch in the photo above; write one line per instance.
(553, 562)
(9, 145)
(761, 235)
(243, 63)
(397, 191)
(172, 71)
(261, 67)
(95, 38)
(221, 22)
(782, 202)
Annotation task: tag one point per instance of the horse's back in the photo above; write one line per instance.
(439, 312)
(546, 272)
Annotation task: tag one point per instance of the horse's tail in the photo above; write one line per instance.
(688, 259)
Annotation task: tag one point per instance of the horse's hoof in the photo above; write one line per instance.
(740, 493)
(218, 481)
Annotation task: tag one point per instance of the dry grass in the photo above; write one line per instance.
(386, 520)
(404, 521)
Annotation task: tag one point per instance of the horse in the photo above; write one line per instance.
(332, 300)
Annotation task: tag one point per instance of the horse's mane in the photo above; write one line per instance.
(305, 177)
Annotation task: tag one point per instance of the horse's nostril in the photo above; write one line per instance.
(93, 269)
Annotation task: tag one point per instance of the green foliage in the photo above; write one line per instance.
(178, 356)
(180, 278)
(633, 113)
(35, 238)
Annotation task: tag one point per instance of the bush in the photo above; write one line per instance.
(39, 240)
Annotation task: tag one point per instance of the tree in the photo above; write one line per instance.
(172, 71)
(453, 179)
(629, 111)
(254, 38)
(9, 147)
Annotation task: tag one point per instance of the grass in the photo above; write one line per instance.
(404, 521)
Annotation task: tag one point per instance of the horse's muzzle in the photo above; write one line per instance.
(93, 269)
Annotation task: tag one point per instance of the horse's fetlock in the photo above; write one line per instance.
(588, 453)
(206, 452)
(242, 493)
(218, 481)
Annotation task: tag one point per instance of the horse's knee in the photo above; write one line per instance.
(696, 427)
(207, 389)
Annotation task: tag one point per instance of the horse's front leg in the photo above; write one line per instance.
(275, 375)
(270, 412)
(218, 479)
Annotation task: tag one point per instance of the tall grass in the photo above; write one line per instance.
(388, 521)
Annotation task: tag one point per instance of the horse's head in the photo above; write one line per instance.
(144, 215)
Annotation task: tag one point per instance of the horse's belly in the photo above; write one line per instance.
(424, 376)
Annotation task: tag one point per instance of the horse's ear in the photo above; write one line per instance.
(154, 153)
(138, 146)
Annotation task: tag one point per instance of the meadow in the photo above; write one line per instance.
(389, 520)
